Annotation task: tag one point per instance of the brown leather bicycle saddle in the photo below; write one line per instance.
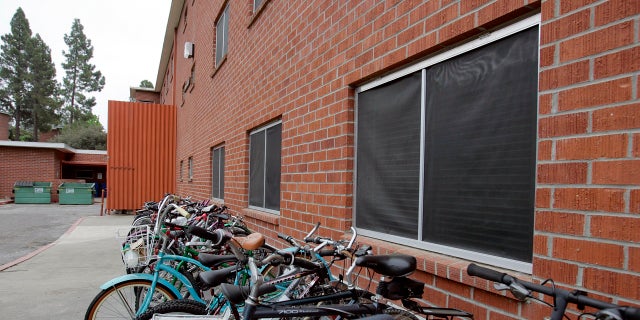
(252, 241)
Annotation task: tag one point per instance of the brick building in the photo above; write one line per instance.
(49, 162)
(501, 132)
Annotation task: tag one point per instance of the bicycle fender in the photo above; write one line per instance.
(139, 276)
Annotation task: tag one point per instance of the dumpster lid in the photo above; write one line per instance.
(76, 185)
(23, 184)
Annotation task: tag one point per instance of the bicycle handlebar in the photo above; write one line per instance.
(217, 237)
(520, 289)
(182, 211)
(289, 239)
(308, 236)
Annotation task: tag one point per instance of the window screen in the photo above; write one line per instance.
(217, 169)
(480, 148)
(264, 167)
(388, 157)
(222, 35)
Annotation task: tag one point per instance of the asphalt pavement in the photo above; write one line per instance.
(58, 279)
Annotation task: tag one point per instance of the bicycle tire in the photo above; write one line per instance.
(141, 221)
(120, 299)
(175, 307)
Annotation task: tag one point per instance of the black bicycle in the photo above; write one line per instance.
(522, 290)
(355, 303)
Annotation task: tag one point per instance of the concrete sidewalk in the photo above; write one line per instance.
(60, 280)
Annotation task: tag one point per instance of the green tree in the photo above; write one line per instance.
(80, 78)
(146, 84)
(42, 100)
(14, 70)
(87, 135)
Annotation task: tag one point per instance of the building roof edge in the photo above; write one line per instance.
(172, 22)
(48, 145)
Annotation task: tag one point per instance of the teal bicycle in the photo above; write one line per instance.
(129, 295)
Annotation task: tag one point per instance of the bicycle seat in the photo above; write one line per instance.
(252, 241)
(389, 265)
(212, 260)
(213, 278)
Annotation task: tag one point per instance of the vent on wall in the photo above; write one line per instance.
(188, 50)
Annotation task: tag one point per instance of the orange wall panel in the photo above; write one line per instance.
(141, 143)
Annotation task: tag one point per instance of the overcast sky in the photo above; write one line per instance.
(127, 38)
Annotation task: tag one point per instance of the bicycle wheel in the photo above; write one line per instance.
(141, 221)
(175, 307)
(122, 300)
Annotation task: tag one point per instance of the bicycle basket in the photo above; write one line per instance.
(401, 288)
(137, 245)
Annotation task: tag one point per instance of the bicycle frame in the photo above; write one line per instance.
(254, 310)
(161, 266)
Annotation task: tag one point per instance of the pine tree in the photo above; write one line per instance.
(80, 77)
(42, 78)
(14, 70)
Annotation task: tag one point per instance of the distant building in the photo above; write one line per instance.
(49, 162)
(45, 161)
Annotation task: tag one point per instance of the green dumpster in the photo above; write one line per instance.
(76, 193)
(32, 192)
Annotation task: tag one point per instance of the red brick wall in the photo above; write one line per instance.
(299, 61)
(586, 230)
(4, 126)
(89, 157)
(26, 164)
(146, 96)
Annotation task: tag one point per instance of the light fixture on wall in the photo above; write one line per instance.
(188, 50)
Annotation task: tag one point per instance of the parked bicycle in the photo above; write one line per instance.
(523, 291)
(305, 273)
(344, 301)
(130, 295)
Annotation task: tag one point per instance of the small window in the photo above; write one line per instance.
(217, 169)
(222, 34)
(181, 170)
(264, 167)
(190, 165)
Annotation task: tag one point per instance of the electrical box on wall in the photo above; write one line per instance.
(188, 50)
